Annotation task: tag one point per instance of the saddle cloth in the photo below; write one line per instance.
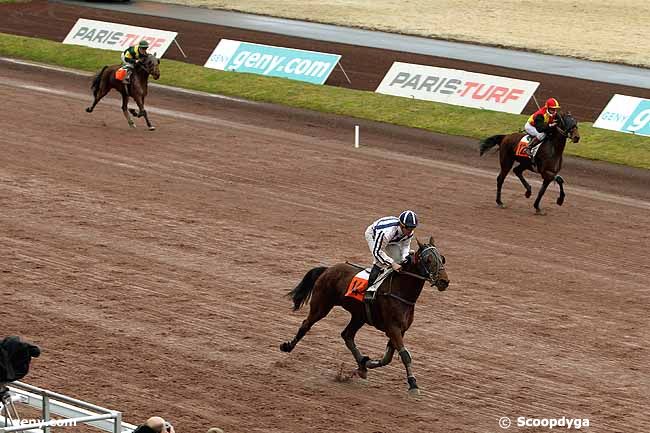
(359, 284)
(519, 150)
(120, 74)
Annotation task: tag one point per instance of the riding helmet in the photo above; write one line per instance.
(552, 103)
(409, 219)
(143, 44)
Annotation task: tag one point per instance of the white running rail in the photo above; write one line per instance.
(70, 410)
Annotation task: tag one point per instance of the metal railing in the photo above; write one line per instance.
(71, 411)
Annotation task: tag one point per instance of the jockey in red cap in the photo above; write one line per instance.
(540, 121)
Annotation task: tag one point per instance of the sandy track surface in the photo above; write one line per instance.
(151, 267)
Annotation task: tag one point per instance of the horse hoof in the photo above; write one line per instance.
(152, 128)
(529, 193)
(501, 205)
(363, 374)
(89, 110)
(414, 392)
(286, 347)
(540, 212)
(560, 201)
(131, 125)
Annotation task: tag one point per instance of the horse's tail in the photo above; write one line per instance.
(302, 292)
(97, 80)
(490, 142)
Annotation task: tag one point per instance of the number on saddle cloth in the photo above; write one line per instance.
(523, 144)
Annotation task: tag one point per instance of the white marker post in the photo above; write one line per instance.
(356, 136)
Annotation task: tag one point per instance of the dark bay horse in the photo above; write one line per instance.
(391, 312)
(548, 158)
(105, 80)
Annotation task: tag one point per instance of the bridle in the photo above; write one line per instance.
(432, 276)
(566, 132)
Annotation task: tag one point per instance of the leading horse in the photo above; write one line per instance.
(548, 158)
(105, 80)
(392, 312)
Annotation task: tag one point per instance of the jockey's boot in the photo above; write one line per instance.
(374, 273)
(529, 149)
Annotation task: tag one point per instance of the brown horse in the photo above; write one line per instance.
(548, 159)
(105, 80)
(391, 312)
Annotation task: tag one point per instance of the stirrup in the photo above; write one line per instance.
(370, 296)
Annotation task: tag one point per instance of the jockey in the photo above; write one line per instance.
(540, 121)
(132, 55)
(389, 240)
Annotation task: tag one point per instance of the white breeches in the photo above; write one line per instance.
(531, 130)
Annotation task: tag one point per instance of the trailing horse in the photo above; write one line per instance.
(548, 158)
(105, 80)
(392, 312)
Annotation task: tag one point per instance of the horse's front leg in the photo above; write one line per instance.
(560, 181)
(395, 335)
(143, 112)
(542, 190)
(519, 172)
(125, 108)
(348, 335)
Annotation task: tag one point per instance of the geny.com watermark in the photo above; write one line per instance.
(53, 422)
(564, 422)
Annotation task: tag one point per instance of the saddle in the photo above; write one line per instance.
(358, 287)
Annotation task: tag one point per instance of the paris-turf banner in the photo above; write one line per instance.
(457, 87)
(118, 37)
(310, 66)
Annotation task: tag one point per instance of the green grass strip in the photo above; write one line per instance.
(598, 144)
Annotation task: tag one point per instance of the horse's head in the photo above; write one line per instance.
(567, 125)
(431, 264)
(151, 64)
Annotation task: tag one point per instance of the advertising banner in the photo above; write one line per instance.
(310, 66)
(117, 37)
(626, 114)
(457, 87)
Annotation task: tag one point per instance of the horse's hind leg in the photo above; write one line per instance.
(388, 357)
(397, 341)
(560, 181)
(505, 169)
(519, 172)
(98, 96)
(348, 336)
(317, 311)
(125, 108)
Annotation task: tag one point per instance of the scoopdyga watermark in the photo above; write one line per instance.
(550, 423)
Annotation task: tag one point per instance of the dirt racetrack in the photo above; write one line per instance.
(151, 268)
